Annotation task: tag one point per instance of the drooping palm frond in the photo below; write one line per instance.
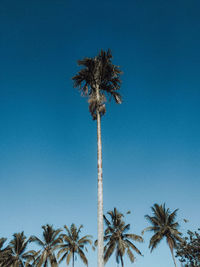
(134, 237)
(129, 244)
(108, 251)
(73, 245)
(117, 239)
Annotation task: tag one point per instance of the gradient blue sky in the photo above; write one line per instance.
(151, 145)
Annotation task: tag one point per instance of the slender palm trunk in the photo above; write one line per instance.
(172, 252)
(100, 190)
(73, 259)
(122, 262)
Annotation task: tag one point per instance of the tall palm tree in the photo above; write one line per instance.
(17, 254)
(118, 239)
(74, 245)
(49, 244)
(99, 79)
(163, 226)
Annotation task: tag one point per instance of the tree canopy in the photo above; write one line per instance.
(99, 79)
(118, 238)
(188, 251)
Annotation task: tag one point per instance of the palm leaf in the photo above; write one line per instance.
(69, 257)
(134, 237)
(130, 255)
(82, 256)
(130, 244)
(109, 251)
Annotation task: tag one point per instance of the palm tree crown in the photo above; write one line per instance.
(163, 225)
(48, 245)
(73, 245)
(118, 239)
(98, 78)
(16, 255)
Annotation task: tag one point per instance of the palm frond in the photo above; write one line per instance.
(53, 260)
(172, 217)
(109, 251)
(63, 257)
(134, 237)
(82, 256)
(69, 257)
(150, 228)
(37, 240)
(130, 255)
(85, 240)
(155, 240)
(130, 244)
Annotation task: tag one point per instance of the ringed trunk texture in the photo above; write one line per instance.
(100, 191)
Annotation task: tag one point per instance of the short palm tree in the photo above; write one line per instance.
(118, 239)
(17, 254)
(49, 244)
(163, 226)
(73, 245)
(99, 79)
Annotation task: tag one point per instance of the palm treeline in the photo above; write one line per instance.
(51, 246)
(68, 245)
(99, 80)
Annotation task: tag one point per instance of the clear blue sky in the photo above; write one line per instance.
(151, 144)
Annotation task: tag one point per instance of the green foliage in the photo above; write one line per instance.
(73, 245)
(48, 244)
(118, 239)
(16, 254)
(98, 79)
(188, 251)
(163, 225)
